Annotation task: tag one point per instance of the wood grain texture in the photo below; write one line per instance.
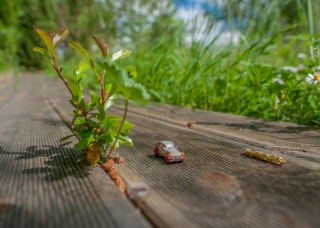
(217, 185)
(44, 183)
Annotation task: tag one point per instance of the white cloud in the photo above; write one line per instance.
(201, 27)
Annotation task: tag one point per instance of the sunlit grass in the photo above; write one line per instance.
(210, 75)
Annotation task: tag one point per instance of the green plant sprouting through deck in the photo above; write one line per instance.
(99, 133)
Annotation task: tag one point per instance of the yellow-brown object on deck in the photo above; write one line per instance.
(265, 157)
(93, 153)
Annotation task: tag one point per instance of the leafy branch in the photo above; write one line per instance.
(96, 130)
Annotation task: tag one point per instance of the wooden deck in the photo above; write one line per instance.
(47, 183)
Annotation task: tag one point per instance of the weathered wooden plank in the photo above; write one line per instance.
(45, 183)
(7, 87)
(217, 185)
(268, 134)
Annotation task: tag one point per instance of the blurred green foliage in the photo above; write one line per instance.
(179, 63)
(108, 19)
(9, 33)
(34, 12)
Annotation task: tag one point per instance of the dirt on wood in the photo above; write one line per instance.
(114, 175)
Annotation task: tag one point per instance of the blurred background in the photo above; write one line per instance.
(193, 53)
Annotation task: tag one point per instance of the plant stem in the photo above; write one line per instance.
(310, 20)
(55, 66)
(103, 93)
(123, 120)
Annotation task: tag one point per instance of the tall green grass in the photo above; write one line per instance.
(210, 75)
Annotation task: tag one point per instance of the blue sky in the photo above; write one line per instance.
(188, 10)
(204, 5)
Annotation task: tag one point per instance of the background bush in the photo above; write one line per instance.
(187, 64)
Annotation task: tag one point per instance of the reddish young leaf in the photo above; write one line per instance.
(60, 36)
(104, 48)
(50, 35)
(47, 40)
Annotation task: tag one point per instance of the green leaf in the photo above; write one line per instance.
(120, 54)
(60, 36)
(73, 104)
(83, 121)
(132, 71)
(75, 113)
(126, 128)
(81, 101)
(46, 39)
(115, 118)
(125, 140)
(106, 124)
(118, 75)
(128, 87)
(65, 138)
(139, 93)
(106, 138)
(114, 122)
(76, 89)
(80, 49)
(102, 112)
(87, 138)
(83, 143)
(85, 54)
(104, 48)
(259, 73)
(109, 139)
(79, 72)
(94, 115)
(40, 50)
(43, 52)
(110, 101)
(95, 99)
(289, 79)
(80, 121)
(73, 87)
(278, 88)
(101, 161)
(79, 128)
(108, 87)
(114, 89)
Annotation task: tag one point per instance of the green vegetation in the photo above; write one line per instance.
(96, 130)
(8, 32)
(249, 78)
(255, 67)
